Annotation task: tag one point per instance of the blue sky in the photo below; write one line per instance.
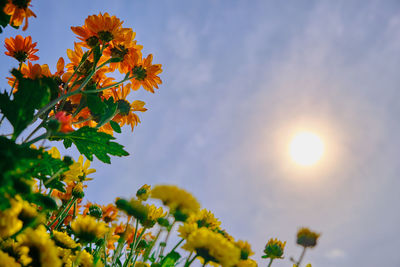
(240, 78)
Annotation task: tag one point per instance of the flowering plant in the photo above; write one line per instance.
(43, 221)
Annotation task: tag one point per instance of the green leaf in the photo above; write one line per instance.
(170, 259)
(109, 113)
(90, 142)
(95, 104)
(115, 126)
(31, 95)
(43, 201)
(96, 54)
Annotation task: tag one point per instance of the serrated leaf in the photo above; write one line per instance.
(170, 259)
(90, 142)
(31, 95)
(115, 126)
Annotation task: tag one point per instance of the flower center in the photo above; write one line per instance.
(23, 4)
(21, 56)
(139, 73)
(123, 107)
(105, 36)
(92, 41)
(119, 51)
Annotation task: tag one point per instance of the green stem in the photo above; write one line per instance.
(62, 211)
(40, 137)
(148, 250)
(65, 213)
(166, 239)
(120, 245)
(270, 262)
(108, 87)
(177, 245)
(301, 257)
(188, 262)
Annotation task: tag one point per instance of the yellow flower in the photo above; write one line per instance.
(87, 229)
(15, 250)
(144, 192)
(42, 249)
(85, 259)
(274, 249)
(19, 10)
(245, 249)
(204, 218)
(187, 229)
(9, 221)
(307, 238)
(142, 264)
(181, 203)
(247, 263)
(54, 152)
(63, 240)
(212, 247)
(7, 261)
(21, 48)
(153, 214)
(78, 171)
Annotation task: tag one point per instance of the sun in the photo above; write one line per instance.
(306, 148)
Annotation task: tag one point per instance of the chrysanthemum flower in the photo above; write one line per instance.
(144, 192)
(145, 74)
(7, 260)
(87, 229)
(212, 247)
(9, 221)
(274, 249)
(19, 10)
(110, 213)
(105, 28)
(32, 72)
(204, 218)
(42, 249)
(245, 249)
(16, 250)
(307, 238)
(153, 214)
(65, 122)
(63, 240)
(21, 48)
(181, 203)
(247, 263)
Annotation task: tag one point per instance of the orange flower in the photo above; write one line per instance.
(126, 113)
(21, 48)
(65, 121)
(110, 213)
(100, 28)
(145, 74)
(32, 72)
(19, 10)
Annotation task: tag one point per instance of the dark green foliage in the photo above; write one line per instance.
(91, 142)
(31, 95)
(4, 18)
(115, 126)
(19, 164)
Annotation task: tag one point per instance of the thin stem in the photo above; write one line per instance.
(40, 137)
(270, 262)
(148, 250)
(108, 87)
(120, 245)
(60, 214)
(166, 239)
(301, 256)
(177, 245)
(188, 262)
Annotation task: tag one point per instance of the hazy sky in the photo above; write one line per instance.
(240, 78)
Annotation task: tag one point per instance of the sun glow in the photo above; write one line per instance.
(306, 148)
